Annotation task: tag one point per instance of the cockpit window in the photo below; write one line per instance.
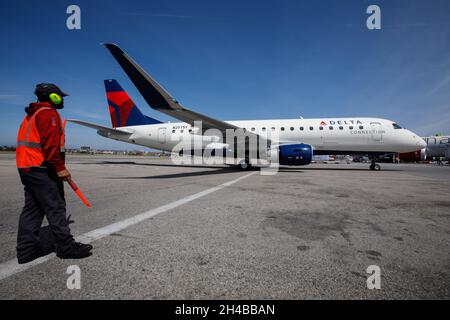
(396, 126)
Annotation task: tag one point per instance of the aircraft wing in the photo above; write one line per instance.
(158, 98)
(106, 130)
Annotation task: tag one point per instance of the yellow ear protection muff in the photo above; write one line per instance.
(48, 92)
(55, 98)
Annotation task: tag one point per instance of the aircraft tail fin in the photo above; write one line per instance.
(123, 110)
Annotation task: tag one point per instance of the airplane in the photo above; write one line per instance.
(437, 147)
(297, 139)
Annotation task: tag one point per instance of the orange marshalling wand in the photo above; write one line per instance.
(71, 183)
(78, 192)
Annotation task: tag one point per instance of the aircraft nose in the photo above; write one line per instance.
(416, 141)
(421, 143)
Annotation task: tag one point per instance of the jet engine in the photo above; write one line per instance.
(295, 154)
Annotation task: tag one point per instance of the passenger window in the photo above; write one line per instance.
(320, 128)
(311, 128)
(190, 130)
(253, 129)
(341, 128)
(263, 129)
(301, 128)
(282, 128)
(273, 128)
(181, 131)
(361, 127)
(351, 127)
(292, 128)
(173, 131)
(331, 128)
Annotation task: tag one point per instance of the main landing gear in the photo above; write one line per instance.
(245, 165)
(374, 166)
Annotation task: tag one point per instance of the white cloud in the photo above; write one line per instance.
(84, 114)
(441, 84)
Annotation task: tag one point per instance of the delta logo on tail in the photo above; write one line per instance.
(122, 109)
(323, 123)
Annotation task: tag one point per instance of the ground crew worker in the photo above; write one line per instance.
(41, 164)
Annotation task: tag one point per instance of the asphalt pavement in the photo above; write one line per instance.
(162, 231)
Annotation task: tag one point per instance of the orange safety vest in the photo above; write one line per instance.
(29, 150)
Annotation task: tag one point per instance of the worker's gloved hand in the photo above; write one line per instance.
(64, 175)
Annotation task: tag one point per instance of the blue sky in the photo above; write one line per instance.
(233, 60)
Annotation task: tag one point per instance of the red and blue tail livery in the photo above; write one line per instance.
(123, 110)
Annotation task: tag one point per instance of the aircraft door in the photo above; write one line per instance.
(376, 132)
(162, 135)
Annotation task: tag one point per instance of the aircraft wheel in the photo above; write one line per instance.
(244, 165)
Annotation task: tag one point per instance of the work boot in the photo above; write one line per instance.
(77, 251)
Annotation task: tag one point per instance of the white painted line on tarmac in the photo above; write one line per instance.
(9, 268)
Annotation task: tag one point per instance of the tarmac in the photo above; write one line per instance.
(162, 231)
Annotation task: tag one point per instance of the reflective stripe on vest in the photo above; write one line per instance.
(29, 144)
(29, 150)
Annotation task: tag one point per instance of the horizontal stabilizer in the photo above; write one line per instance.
(122, 131)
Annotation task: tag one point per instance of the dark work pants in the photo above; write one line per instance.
(44, 196)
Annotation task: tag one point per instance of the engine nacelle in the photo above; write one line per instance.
(295, 154)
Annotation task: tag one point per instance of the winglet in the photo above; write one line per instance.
(153, 93)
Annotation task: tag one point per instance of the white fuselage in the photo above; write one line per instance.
(326, 136)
